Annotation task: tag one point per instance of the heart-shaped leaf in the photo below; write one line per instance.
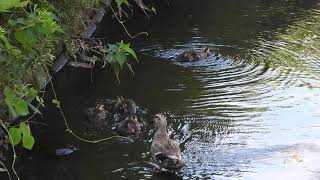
(21, 107)
(121, 58)
(28, 142)
(25, 129)
(15, 135)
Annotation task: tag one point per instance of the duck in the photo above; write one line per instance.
(125, 107)
(129, 126)
(97, 114)
(194, 55)
(165, 152)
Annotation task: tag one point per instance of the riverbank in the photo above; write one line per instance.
(37, 40)
(34, 38)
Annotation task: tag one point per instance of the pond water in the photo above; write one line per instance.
(252, 114)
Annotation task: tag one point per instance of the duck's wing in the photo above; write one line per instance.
(164, 150)
(168, 155)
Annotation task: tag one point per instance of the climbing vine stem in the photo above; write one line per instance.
(122, 24)
(69, 130)
(6, 169)
(13, 150)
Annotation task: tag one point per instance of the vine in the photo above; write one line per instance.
(5, 169)
(29, 35)
(69, 130)
(13, 150)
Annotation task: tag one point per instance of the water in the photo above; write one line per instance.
(252, 114)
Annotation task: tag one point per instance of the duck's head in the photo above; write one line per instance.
(133, 124)
(159, 120)
(125, 106)
(97, 113)
(132, 117)
(206, 50)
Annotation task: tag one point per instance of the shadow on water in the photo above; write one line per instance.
(251, 114)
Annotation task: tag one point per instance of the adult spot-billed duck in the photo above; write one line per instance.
(165, 151)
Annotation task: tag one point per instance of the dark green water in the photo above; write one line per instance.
(252, 114)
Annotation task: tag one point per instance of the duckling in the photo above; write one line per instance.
(125, 106)
(193, 55)
(97, 114)
(165, 151)
(129, 126)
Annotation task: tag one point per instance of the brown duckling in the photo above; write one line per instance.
(194, 55)
(98, 114)
(125, 106)
(165, 151)
(129, 126)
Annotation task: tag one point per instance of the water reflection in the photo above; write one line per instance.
(251, 114)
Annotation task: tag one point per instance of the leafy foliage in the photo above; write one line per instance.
(27, 42)
(5, 5)
(28, 39)
(117, 56)
(16, 105)
(120, 2)
(16, 100)
(15, 135)
(22, 133)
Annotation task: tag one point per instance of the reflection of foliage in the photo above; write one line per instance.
(297, 48)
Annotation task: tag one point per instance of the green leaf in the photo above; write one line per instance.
(15, 135)
(26, 37)
(17, 106)
(9, 93)
(126, 48)
(112, 48)
(23, 4)
(21, 20)
(9, 100)
(10, 107)
(120, 2)
(111, 58)
(121, 58)
(25, 129)
(35, 109)
(21, 107)
(29, 92)
(28, 141)
(8, 4)
(130, 68)
(56, 102)
(116, 69)
(132, 53)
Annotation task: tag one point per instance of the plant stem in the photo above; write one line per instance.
(13, 149)
(76, 135)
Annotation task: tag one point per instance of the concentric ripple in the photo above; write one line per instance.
(240, 103)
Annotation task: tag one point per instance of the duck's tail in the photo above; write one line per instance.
(172, 163)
